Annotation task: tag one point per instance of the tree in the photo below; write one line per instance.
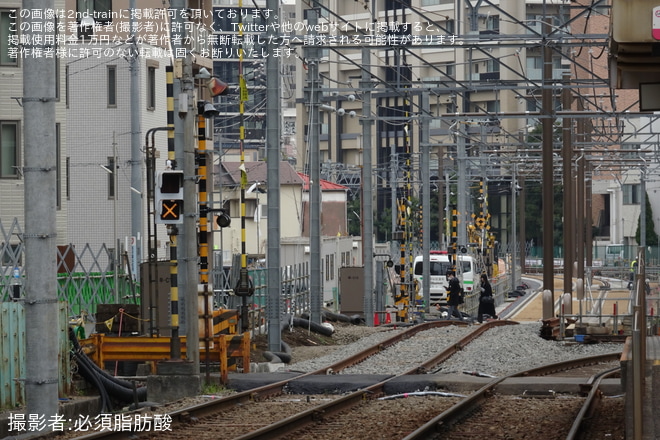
(534, 213)
(354, 217)
(651, 236)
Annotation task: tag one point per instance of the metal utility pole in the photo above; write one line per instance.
(461, 188)
(580, 223)
(40, 172)
(314, 175)
(514, 237)
(569, 197)
(426, 198)
(184, 140)
(189, 238)
(136, 153)
(548, 175)
(367, 214)
(273, 132)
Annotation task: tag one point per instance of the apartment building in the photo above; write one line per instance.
(104, 115)
(483, 68)
(12, 133)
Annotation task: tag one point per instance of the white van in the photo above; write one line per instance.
(439, 266)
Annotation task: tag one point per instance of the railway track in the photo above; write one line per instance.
(535, 416)
(268, 412)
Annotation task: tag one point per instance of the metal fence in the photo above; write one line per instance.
(295, 295)
(13, 351)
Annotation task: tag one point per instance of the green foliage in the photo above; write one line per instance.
(534, 213)
(213, 388)
(383, 224)
(383, 220)
(353, 215)
(651, 235)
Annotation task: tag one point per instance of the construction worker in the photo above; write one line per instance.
(633, 271)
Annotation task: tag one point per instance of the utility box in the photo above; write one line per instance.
(633, 21)
(351, 290)
(155, 298)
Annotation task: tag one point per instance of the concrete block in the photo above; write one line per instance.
(596, 330)
(177, 368)
(266, 367)
(164, 388)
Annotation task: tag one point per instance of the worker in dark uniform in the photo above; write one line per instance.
(455, 295)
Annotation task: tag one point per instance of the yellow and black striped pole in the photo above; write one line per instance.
(203, 243)
(454, 238)
(409, 223)
(244, 288)
(175, 346)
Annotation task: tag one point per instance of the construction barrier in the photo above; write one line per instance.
(229, 351)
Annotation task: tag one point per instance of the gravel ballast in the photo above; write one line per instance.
(500, 351)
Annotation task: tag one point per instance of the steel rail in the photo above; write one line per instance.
(208, 408)
(591, 403)
(305, 418)
(453, 415)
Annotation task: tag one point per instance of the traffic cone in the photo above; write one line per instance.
(388, 318)
(376, 320)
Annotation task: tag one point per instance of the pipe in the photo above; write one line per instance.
(286, 356)
(314, 326)
(117, 388)
(94, 379)
(278, 356)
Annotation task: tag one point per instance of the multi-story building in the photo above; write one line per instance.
(12, 207)
(483, 68)
(104, 115)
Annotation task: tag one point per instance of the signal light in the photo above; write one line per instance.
(223, 220)
(169, 198)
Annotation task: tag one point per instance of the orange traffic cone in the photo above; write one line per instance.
(376, 320)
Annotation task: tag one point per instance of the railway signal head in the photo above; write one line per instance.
(169, 198)
(223, 220)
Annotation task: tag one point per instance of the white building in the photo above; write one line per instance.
(99, 164)
(11, 131)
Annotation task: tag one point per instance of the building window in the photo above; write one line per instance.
(68, 178)
(151, 88)
(66, 85)
(631, 194)
(493, 23)
(112, 86)
(492, 65)
(493, 106)
(99, 10)
(58, 168)
(9, 148)
(8, 26)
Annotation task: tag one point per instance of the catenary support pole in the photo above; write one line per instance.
(40, 171)
(426, 199)
(316, 292)
(137, 207)
(273, 132)
(547, 124)
(367, 214)
(569, 196)
(190, 259)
